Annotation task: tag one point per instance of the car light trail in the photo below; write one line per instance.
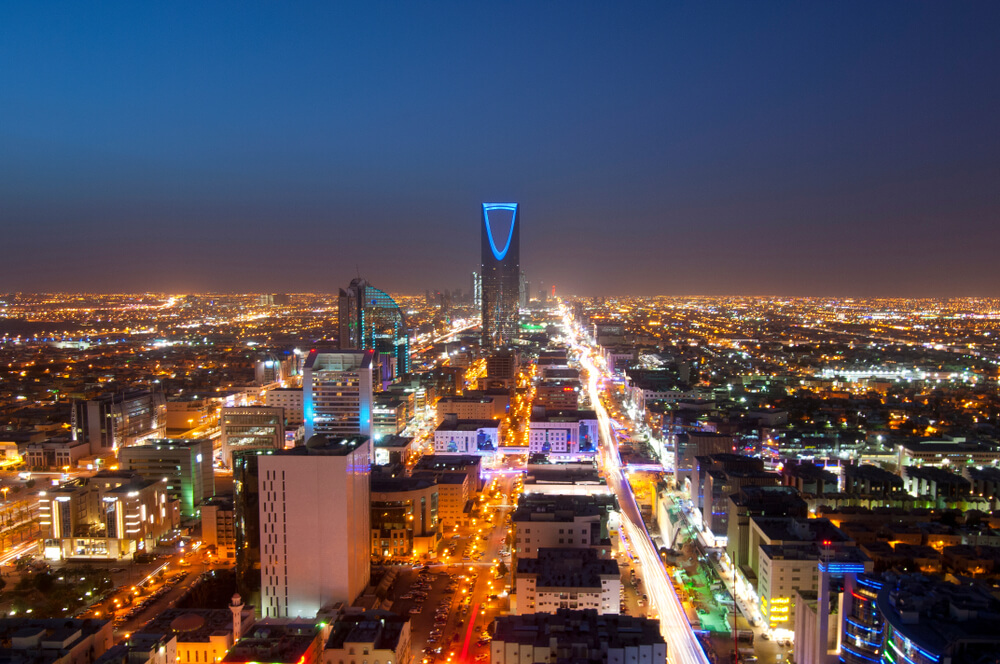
(683, 646)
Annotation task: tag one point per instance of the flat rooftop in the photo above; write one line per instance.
(468, 425)
(320, 445)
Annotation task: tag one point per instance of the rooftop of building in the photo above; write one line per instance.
(915, 550)
(794, 529)
(392, 441)
(938, 617)
(726, 458)
(953, 445)
(42, 641)
(760, 497)
(808, 471)
(563, 415)
(193, 625)
(990, 473)
(222, 502)
(274, 641)
(449, 463)
(382, 629)
(936, 475)
(559, 474)
(320, 445)
(401, 484)
(135, 484)
(335, 359)
(567, 568)
(585, 628)
(467, 425)
(466, 399)
(161, 443)
(813, 551)
(555, 507)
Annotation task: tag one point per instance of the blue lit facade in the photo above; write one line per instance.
(864, 626)
(500, 273)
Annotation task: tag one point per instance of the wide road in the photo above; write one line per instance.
(682, 644)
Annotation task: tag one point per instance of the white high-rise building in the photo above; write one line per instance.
(337, 393)
(315, 525)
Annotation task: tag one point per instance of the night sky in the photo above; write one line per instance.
(801, 148)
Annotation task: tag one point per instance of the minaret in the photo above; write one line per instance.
(236, 606)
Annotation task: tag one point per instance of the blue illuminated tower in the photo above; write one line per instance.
(501, 273)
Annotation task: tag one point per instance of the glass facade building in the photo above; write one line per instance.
(500, 273)
(369, 319)
(864, 626)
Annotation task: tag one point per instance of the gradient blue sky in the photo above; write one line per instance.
(827, 148)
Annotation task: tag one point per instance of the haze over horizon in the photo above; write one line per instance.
(842, 149)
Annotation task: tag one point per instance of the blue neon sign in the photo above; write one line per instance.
(489, 207)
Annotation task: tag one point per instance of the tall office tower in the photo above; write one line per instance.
(501, 272)
(246, 515)
(315, 518)
(253, 428)
(337, 393)
(185, 465)
(113, 421)
(523, 294)
(369, 319)
(477, 289)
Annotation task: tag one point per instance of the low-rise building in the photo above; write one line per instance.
(55, 453)
(393, 449)
(389, 415)
(562, 432)
(956, 452)
(785, 569)
(142, 649)
(935, 483)
(568, 635)
(404, 516)
(929, 621)
(54, 640)
(565, 522)
(184, 465)
(218, 526)
(289, 399)
(455, 436)
(278, 641)
(108, 516)
(470, 408)
(371, 636)
(567, 578)
(203, 635)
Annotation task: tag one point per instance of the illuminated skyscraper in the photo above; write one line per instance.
(501, 273)
(369, 319)
(337, 393)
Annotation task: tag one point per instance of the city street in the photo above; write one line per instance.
(452, 601)
(683, 646)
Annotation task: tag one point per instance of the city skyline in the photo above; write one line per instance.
(793, 150)
(733, 394)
